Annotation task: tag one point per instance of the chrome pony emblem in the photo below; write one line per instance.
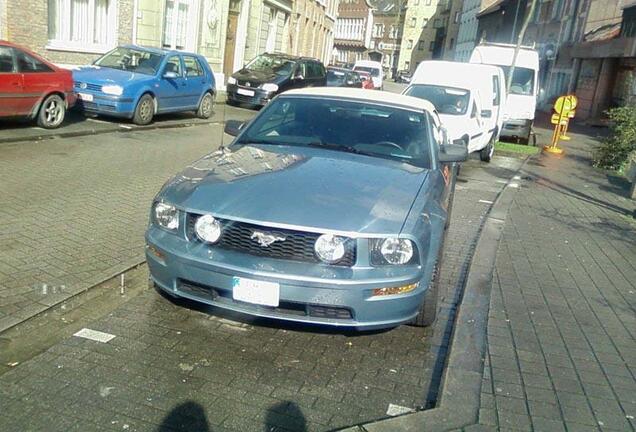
(83, 85)
(265, 239)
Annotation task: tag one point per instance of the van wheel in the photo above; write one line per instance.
(206, 106)
(145, 110)
(487, 152)
(52, 112)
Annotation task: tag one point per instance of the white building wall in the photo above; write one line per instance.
(467, 35)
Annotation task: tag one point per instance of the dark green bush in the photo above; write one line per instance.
(614, 150)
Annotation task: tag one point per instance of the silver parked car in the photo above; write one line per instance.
(329, 207)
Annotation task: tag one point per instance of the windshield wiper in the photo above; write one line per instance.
(338, 147)
(258, 141)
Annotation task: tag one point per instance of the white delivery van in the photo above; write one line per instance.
(374, 68)
(522, 100)
(469, 99)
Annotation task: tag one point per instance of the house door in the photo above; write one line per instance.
(230, 43)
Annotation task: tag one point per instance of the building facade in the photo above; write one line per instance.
(425, 32)
(452, 30)
(353, 31)
(229, 33)
(68, 31)
(467, 33)
(386, 36)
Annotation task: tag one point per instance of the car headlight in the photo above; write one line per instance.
(269, 87)
(330, 248)
(113, 90)
(167, 216)
(208, 229)
(393, 251)
(231, 80)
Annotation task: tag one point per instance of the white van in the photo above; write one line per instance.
(469, 99)
(374, 68)
(522, 100)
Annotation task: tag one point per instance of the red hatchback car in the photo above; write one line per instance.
(32, 87)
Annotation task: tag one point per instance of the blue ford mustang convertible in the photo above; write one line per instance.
(329, 207)
(137, 83)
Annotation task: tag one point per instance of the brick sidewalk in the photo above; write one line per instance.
(562, 324)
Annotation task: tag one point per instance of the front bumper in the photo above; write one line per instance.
(309, 292)
(260, 97)
(516, 129)
(109, 105)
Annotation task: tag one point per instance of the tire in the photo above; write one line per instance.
(487, 152)
(206, 106)
(428, 309)
(144, 111)
(52, 112)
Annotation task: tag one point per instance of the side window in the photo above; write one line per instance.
(495, 85)
(302, 69)
(173, 65)
(192, 67)
(27, 64)
(6, 60)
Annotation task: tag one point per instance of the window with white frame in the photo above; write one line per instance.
(179, 25)
(82, 25)
(378, 30)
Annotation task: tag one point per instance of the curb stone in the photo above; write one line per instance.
(460, 393)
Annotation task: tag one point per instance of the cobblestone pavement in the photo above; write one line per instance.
(172, 367)
(562, 324)
(74, 209)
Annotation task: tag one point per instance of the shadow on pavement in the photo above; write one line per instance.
(286, 415)
(188, 416)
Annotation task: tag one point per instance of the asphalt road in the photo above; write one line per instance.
(74, 211)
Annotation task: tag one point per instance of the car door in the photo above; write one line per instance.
(11, 89)
(171, 89)
(194, 78)
(38, 79)
(476, 125)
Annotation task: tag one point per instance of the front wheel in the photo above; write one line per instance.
(428, 309)
(52, 112)
(145, 110)
(487, 152)
(205, 106)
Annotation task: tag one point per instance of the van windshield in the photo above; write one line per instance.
(271, 64)
(373, 71)
(447, 100)
(522, 80)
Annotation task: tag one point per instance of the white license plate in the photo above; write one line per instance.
(86, 97)
(256, 292)
(245, 92)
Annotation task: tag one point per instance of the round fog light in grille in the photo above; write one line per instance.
(208, 229)
(330, 248)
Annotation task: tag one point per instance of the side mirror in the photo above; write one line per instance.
(299, 77)
(350, 83)
(170, 75)
(453, 153)
(233, 127)
(486, 113)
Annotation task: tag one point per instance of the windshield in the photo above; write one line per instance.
(335, 77)
(522, 80)
(338, 125)
(373, 71)
(271, 64)
(447, 100)
(132, 60)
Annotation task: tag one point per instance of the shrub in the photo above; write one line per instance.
(614, 150)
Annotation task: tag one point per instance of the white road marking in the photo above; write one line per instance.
(485, 201)
(95, 335)
(97, 120)
(514, 185)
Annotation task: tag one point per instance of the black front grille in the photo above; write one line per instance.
(297, 246)
(88, 86)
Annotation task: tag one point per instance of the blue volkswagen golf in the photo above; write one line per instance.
(329, 207)
(137, 82)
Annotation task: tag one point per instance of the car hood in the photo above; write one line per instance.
(256, 76)
(297, 187)
(103, 76)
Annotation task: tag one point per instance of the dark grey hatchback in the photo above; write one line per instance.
(329, 207)
(270, 74)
